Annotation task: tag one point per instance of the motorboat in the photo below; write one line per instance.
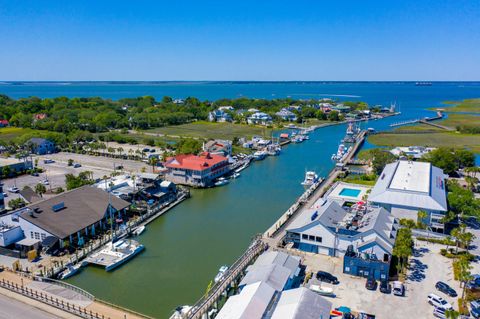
(180, 312)
(260, 155)
(221, 181)
(221, 273)
(236, 175)
(241, 168)
(70, 270)
(137, 231)
(310, 178)
(324, 291)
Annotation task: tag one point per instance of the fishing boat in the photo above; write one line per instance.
(260, 155)
(221, 273)
(137, 231)
(221, 181)
(70, 270)
(324, 291)
(310, 178)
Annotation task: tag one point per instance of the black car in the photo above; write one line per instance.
(385, 287)
(371, 284)
(327, 277)
(446, 289)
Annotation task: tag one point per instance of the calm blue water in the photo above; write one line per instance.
(185, 247)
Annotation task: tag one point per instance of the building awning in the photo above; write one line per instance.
(27, 242)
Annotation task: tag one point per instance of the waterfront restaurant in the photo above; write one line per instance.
(405, 187)
(197, 171)
(69, 218)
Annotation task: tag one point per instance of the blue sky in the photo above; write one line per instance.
(240, 40)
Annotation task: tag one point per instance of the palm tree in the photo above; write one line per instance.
(153, 162)
(421, 215)
(456, 233)
(120, 150)
(40, 189)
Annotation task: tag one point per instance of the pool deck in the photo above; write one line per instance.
(335, 192)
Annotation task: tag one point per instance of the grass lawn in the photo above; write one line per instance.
(212, 130)
(455, 120)
(9, 133)
(448, 139)
(470, 105)
(418, 127)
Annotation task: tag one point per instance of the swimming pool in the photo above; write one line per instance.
(350, 192)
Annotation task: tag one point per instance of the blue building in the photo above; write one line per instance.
(41, 146)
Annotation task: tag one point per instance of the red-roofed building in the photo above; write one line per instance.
(197, 171)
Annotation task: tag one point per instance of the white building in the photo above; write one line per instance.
(405, 187)
(259, 118)
(302, 303)
(286, 115)
(416, 152)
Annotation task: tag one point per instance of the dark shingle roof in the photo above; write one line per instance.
(83, 207)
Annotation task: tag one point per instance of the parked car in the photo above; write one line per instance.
(45, 182)
(446, 289)
(34, 174)
(119, 167)
(385, 287)
(371, 283)
(13, 189)
(398, 288)
(474, 283)
(146, 150)
(77, 165)
(5, 195)
(438, 301)
(475, 308)
(48, 161)
(152, 150)
(439, 312)
(327, 277)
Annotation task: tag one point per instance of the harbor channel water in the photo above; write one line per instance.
(186, 246)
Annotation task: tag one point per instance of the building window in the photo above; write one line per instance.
(43, 236)
(312, 238)
(347, 269)
(31, 234)
(318, 239)
(304, 236)
(37, 235)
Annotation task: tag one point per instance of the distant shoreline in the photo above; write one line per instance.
(115, 82)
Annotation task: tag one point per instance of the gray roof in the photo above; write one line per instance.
(29, 195)
(302, 303)
(411, 184)
(275, 276)
(277, 258)
(83, 207)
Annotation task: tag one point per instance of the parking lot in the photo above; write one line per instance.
(427, 267)
(55, 172)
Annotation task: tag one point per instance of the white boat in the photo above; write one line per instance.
(221, 181)
(236, 175)
(241, 168)
(70, 271)
(221, 273)
(324, 291)
(180, 312)
(259, 155)
(137, 231)
(310, 178)
(116, 254)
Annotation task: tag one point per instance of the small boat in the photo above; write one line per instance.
(310, 178)
(180, 312)
(241, 168)
(137, 231)
(236, 175)
(221, 273)
(70, 271)
(221, 181)
(324, 291)
(259, 155)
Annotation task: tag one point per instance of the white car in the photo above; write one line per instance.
(439, 302)
(13, 189)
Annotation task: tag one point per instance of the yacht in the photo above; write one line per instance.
(310, 178)
(137, 231)
(116, 253)
(221, 181)
(221, 273)
(259, 155)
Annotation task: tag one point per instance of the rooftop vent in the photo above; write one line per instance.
(58, 207)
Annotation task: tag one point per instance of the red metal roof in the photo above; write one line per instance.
(194, 162)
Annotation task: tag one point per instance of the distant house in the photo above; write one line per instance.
(286, 115)
(341, 108)
(226, 108)
(41, 146)
(259, 118)
(3, 123)
(218, 147)
(40, 116)
(297, 108)
(197, 171)
(178, 101)
(219, 116)
(405, 187)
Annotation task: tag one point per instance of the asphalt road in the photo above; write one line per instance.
(13, 309)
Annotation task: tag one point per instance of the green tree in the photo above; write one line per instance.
(17, 203)
(40, 189)
(421, 216)
(6, 171)
(403, 247)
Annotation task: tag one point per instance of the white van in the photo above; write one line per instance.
(398, 288)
